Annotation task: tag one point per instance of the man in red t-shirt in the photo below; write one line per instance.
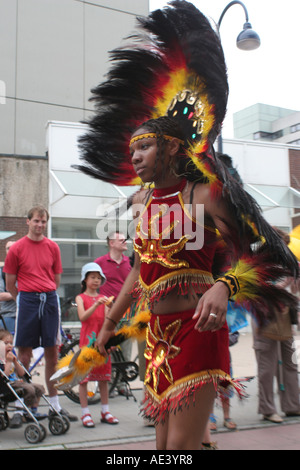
(33, 269)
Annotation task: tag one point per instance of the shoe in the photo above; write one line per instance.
(229, 424)
(212, 422)
(274, 418)
(87, 421)
(71, 418)
(36, 414)
(108, 418)
(296, 413)
(16, 421)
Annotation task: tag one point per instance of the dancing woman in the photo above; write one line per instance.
(158, 115)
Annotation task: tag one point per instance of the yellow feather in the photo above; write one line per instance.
(134, 330)
(90, 357)
(248, 278)
(64, 361)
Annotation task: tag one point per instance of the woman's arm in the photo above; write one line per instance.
(124, 299)
(118, 309)
(214, 300)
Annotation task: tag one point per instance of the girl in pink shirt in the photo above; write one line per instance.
(91, 312)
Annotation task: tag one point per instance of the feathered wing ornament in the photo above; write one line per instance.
(252, 226)
(74, 367)
(173, 66)
(257, 276)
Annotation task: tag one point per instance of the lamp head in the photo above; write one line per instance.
(248, 39)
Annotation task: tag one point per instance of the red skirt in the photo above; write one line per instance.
(180, 360)
(99, 374)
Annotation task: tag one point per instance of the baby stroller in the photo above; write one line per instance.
(35, 431)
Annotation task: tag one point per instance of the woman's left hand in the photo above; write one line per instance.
(211, 310)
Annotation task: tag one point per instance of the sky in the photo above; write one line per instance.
(269, 74)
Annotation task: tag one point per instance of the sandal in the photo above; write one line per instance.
(209, 446)
(87, 421)
(229, 424)
(108, 418)
(212, 422)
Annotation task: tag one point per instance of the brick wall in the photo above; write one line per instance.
(13, 224)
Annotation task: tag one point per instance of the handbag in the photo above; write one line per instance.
(279, 329)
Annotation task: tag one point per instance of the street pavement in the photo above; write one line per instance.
(253, 433)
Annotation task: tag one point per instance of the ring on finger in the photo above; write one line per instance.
(213, 315)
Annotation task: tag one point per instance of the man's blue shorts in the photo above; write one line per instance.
(38, 319)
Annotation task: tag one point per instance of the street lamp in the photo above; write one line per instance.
(247, 40)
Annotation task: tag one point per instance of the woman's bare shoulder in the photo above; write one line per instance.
(139, 201)
(198, 193)
(140, 196)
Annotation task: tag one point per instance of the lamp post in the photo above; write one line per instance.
(247, 40)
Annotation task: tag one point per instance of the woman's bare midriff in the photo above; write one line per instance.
(173, 302)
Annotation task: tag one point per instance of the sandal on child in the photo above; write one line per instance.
(108, 418)
(229, 424)
(87, 421)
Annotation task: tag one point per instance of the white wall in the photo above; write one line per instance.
(257, 163)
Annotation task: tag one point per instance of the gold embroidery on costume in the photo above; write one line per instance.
(152, 249)
(159, 350)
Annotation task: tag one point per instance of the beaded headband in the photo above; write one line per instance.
(152, 135)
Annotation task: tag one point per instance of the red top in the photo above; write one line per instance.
(93, 325)
(34, 263)
(115, 274)
(171, 246)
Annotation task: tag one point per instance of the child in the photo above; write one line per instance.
(15, 371)
(91, 312)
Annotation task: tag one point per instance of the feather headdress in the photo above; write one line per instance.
(174, 66)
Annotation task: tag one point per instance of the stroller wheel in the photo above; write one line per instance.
(56, 425)
(33, 433)
(66, 423)
(44, 431)
(2, 423)
(6, 419)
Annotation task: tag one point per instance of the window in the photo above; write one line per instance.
(83, 250)
(295, 128)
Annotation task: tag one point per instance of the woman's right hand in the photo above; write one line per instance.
(103, 338)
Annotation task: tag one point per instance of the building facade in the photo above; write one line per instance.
(52, 53)
(267, 123)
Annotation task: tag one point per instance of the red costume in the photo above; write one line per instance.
(170, 243)
(179, 359)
